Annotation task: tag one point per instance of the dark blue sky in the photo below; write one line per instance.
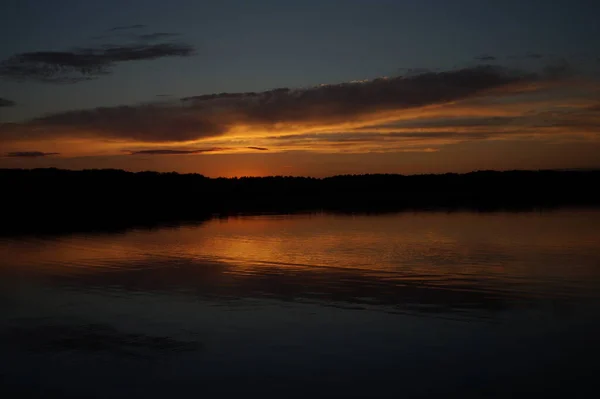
(257, 45)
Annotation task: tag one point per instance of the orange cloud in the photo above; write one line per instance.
(420, 113)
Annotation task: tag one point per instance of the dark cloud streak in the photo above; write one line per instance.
(87, 63)
(30, 154)
(177, 152)
(486, 58)
(375, 137)
(126, 27)
(157, 36)
(214, 115)
(6, 102)
(527, 56)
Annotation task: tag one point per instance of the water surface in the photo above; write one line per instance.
(408, 304)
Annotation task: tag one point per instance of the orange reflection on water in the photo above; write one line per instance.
(445, 261)
(421, 243)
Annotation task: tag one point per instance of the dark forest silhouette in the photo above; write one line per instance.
(55, 200)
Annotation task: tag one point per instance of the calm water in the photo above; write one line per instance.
(402, 305)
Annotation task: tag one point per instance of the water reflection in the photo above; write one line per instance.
(413, 304)
(93, 338)
(429, 262)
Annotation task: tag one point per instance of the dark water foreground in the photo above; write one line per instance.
(427, 304)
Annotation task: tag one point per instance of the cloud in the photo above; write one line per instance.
(30, 154)
(176, 152)
(142, 123)
(126, 27)
(420, 112)
(7, 103)
(215, 115)
(374, 136)
(157, 36)
(87, 63)
(415, 71)
(527, 56)
(486, 58)
(365, 141)
(534, 56)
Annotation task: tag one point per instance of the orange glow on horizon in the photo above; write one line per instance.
(542, 113)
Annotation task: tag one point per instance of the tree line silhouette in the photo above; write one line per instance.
(45, 200)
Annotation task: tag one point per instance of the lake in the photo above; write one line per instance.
(417, 304)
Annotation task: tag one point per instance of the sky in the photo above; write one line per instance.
(318, 88)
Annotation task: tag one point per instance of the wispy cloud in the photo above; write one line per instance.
(527, 56)
(486, 58)
(30, 154)
(4, 102)
(365, 141)
(126, 27)
(176, 152)
(215, 115)
(157, 36)
(414, 112)
(85, 63)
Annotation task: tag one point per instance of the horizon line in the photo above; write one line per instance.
(590, 169)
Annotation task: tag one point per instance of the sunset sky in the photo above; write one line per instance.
(318, 88)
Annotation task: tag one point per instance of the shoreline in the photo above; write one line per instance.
(62, 201)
